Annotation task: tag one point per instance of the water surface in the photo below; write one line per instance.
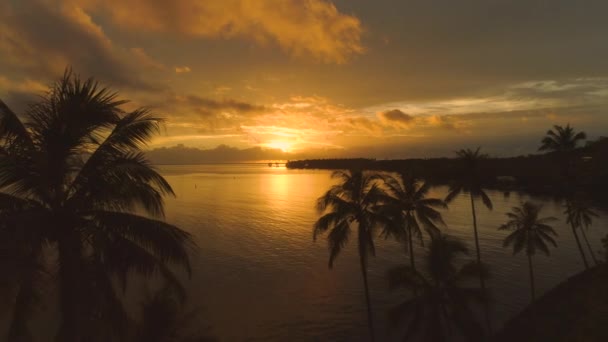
(259, 276)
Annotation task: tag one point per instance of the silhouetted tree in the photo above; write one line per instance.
(579, 215)
(71, 175)
(562, 139)
(413, 209)
(441, 307)
(354, 200)
(529, 232)
(469, 183)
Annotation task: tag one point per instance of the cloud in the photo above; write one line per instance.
(442, 121)
(19, 94)
(181, 70)
(42, 38)
(142, 58)
(396, 117)
(312, 28)
(207, 106)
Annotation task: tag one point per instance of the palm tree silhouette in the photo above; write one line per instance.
(413, 210)
(470, 184)
(529, 232)
(562, 139)
(580, 216)
(354, 200)
(72, 173)
(441, 308)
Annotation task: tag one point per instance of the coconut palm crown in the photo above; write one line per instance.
(413, 210)
(72, 177)
(561, 139)
(529, 232)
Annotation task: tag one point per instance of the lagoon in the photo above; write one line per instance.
(258, 275)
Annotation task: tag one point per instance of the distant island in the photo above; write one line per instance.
(538, 173)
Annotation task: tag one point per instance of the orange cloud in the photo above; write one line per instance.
(145, 60)
(301, 28)
(66, 35)
(181, 70)
(396, 117)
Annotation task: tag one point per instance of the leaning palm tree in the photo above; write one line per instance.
(529, 232)
(413, 210)
(469, 183)
(562, 139)
(354, 201)
(72, 174)
(580, 216)
(442, 305)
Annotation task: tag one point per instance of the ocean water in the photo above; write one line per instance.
(258, 275)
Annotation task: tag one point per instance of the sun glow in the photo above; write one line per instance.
(279, 145)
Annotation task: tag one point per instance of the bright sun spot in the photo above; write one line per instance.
(279, 145)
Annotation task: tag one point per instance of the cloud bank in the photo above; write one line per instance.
(302, 28)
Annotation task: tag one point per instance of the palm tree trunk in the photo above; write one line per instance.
(531, 277)
(481, 280)
(580, 248)
(25, 300)
(69, 273)
(589, 246)
(409, 238)
(363, 260)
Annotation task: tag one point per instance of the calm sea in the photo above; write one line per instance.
(258, 275)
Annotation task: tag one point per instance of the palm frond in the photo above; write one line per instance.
(165, 241)
(12, 130)
(122, 183)
(328, 221)
(485, 199)
(337, 239)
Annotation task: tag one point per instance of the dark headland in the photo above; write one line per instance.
(542, 174)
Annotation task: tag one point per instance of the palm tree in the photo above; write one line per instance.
(72, 173)
(529, 232)
(562, 139)
(580, 216)
(470, 184)
(441, 308)
(414, 209)
(354, 200)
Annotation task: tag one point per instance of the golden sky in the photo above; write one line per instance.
(320, 78)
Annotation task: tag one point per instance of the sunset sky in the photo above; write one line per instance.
(320, 78)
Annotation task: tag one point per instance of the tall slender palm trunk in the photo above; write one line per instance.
(18, 330)
(589, 246)
(411, 245)
(363, 260)
(531, 277)
(580, 247)
(69, 273)
(481, 280)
